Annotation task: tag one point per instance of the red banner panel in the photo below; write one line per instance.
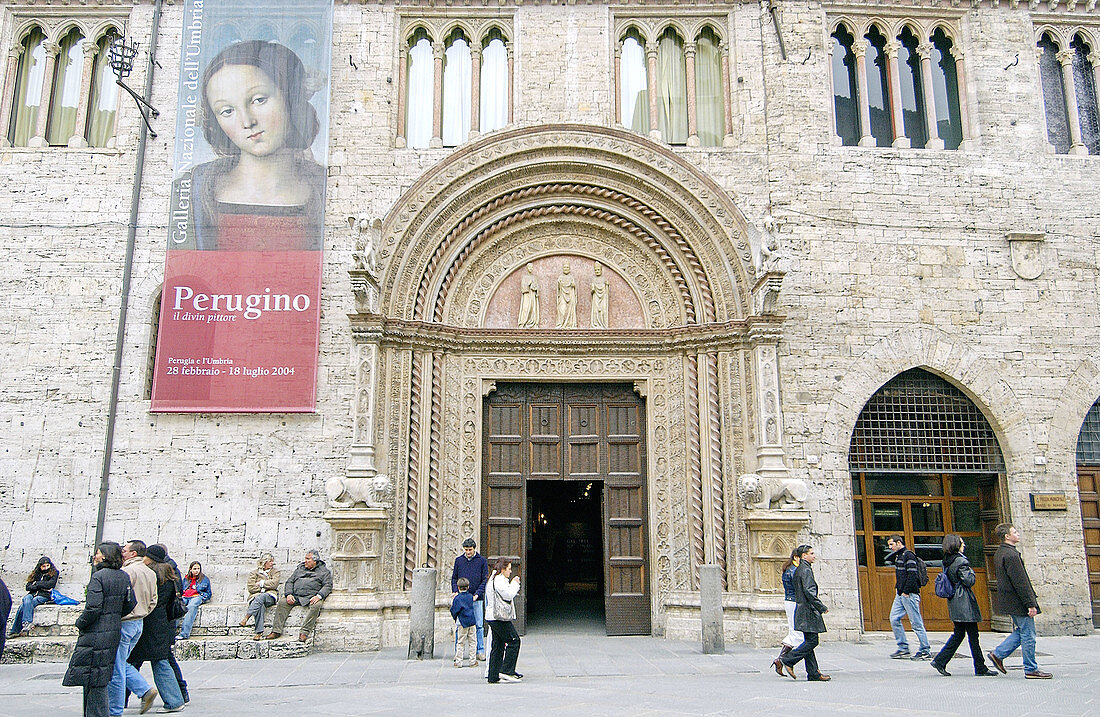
(241, 305)
(238, 332)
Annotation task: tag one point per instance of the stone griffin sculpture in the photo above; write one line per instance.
(350, 491)
(761, 492)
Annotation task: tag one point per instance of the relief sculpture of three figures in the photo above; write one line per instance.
(528, 317)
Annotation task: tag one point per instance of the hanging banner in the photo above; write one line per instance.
(240, 310)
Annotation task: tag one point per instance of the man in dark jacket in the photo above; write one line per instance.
(807, 619)
(1016, 598)
(475, 568)
(907, 600)
(308, 586)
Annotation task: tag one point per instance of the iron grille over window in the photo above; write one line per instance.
(919, 422)
(1088, 443)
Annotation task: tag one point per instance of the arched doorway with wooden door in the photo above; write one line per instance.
(1088, 489)
(924, 462)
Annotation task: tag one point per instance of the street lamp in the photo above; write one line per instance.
(122, 56)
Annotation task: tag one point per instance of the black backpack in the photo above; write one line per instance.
(922, 570)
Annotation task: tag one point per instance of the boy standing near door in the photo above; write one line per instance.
(907, 601)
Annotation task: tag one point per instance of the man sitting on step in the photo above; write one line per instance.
(308, 586)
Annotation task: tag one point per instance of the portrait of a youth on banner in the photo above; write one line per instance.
(240, 310)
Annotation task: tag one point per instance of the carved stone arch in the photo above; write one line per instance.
(108, 27)
(587, 201)
(1075, 399)
(579, 234)
(689, 217)
(912, 25)
(1055, 33)
(635, 29)
(459, 26)
(949, 358)
(1088, 36)
(60, 32)
(676, 26)
(949, 31)
(877, 22)
(847, 23)
(500, 27)
(708, 24)
(415, 29)
(25, 28)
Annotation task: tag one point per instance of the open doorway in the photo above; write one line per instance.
(565, 577)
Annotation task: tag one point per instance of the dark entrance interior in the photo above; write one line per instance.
(565, 589)
(572, 455)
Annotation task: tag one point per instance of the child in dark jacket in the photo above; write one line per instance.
(462, 610)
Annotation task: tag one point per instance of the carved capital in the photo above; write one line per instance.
(52, 49)
(1065, 57)
(892, 47)
(924, 50)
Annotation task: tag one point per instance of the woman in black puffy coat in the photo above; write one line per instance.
(109, 597)
(158, 633)
(962, 607)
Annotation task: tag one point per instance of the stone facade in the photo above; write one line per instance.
(889, 258)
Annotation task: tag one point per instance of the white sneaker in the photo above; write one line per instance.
(510, 678)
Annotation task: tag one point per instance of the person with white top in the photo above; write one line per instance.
(500, 611)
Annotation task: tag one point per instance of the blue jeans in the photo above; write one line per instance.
(1024, 638)
(908, 605)
(25, 614)
(479, 618)
(167, 685)
(125, 676)
(192, 604)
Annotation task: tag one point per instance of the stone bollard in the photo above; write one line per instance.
(710, 609)
(422, 615)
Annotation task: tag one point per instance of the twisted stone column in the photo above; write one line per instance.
(695, 470)
(436, 431)
(412, 494)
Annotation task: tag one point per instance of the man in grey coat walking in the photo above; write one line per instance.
(807, 619)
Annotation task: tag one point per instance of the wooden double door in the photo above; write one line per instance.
(583, 437)
(922, 508)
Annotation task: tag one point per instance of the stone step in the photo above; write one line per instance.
(50, 648)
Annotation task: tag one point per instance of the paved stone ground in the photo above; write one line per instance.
(571, 672)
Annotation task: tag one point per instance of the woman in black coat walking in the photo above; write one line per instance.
(807, 619)
(962, 607)
(109, 597)
(158, 633)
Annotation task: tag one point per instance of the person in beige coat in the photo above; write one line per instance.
(263, 592)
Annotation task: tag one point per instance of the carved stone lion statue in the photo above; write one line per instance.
(762, 491)
(347, 492)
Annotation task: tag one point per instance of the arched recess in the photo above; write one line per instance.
(1076, 406)
(924, 462)
(949, 357)
(942, 354)
(678, 213)
(578, 191)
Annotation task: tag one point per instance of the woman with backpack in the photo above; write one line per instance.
(962, 607)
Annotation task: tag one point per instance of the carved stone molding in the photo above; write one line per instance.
(772, 537)
(693, 221)
(356, 558)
